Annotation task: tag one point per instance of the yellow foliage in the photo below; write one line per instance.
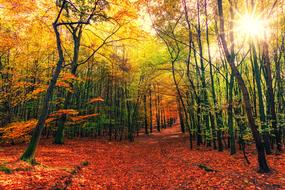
(7, 40)
(61, 112)
(49, 120)
(18, 131)
(125, 13)
(65, 85)
(62, 84)
(94, 100)
(68, 76)
(82, 117)
(38, 91)
(19, 6)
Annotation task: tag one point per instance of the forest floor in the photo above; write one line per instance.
(158, 161)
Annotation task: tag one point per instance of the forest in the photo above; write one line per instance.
(142, 94)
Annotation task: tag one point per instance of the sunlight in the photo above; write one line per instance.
(145, 22)
(252, 26)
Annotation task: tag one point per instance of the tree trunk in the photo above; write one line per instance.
(263, 167)
(145, 115)
(29, 154)
(203, 79)
(150, 110)
(270, 97)
(230, 117)
(264, 127)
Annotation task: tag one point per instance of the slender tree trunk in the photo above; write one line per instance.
(29, 154)
(264, 127)
(230, 117)
(59, 137)
(271, 101)
(150, 110)
(181, 118)
(203, 79)
(158, 113)
(197, 98)
(263, 167)
(129, 119)
(212, 117)
(145, 115)
(180, 97)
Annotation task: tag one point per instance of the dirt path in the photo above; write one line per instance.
(159, 161)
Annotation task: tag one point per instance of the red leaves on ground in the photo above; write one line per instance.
(159, 161)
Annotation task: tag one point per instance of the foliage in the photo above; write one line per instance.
(17, 131)
(61, 112)
(5, 169)
(95, 100)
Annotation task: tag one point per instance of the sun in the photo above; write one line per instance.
(252, 26)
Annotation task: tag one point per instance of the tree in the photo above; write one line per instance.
(263, 167)
(29, 154)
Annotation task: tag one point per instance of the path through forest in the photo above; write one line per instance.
(158, 161)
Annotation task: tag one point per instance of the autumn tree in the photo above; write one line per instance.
(29, 154)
